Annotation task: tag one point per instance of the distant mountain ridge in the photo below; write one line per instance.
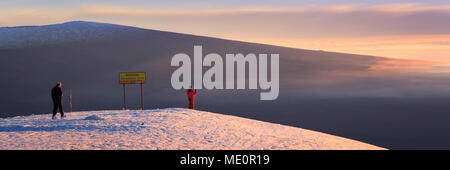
(82, 48)
(29, 36)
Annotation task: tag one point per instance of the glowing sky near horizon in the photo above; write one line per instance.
(399, 29)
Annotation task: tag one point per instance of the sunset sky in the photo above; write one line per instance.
(399, 29)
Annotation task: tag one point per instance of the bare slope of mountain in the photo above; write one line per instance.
(372, 99)
(87, 57)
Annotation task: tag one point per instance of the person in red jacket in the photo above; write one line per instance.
(191, 97)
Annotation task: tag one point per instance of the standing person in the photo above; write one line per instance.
(191, 97)
(57, 100)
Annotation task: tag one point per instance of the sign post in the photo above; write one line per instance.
(70, 100)
(132, 78)
(124, 97)
(142, 98)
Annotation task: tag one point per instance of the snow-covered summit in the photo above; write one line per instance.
(173, 128)
(75, 31)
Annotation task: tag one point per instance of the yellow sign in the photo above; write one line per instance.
(132, 77)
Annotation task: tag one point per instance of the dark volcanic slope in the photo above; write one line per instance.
(335, 93)
(87, 57)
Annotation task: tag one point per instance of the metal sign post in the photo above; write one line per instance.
(142, 98)
(70, 100)
(124, 98)
(132, 78)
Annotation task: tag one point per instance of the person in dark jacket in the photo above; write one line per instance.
(57, 100)
(191, 97)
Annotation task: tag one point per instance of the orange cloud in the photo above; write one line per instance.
(32, 16)
(97, 9)
(104, 9)
(434, 48)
